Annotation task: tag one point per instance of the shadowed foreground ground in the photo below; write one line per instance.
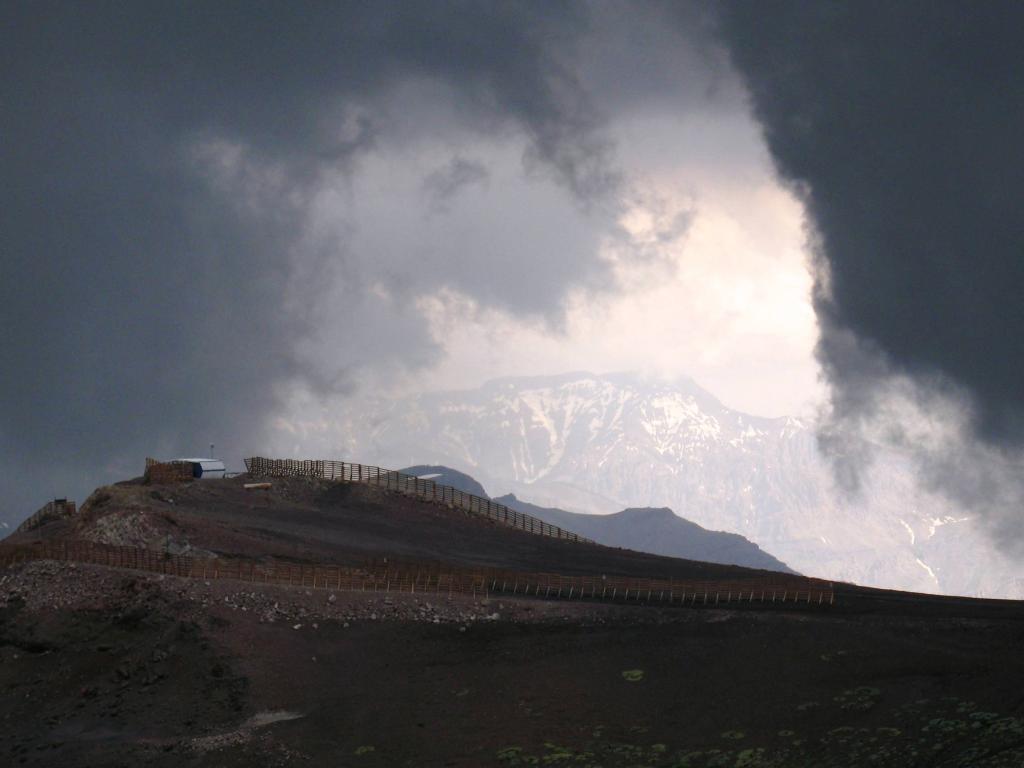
(102, 667)
(106, 668)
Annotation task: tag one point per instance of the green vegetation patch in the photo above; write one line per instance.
(858, 699)
(939, 734)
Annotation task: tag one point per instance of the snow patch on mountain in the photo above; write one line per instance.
(603, 443)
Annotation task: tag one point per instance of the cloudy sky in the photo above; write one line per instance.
(214, 213)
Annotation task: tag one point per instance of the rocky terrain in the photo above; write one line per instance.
(111, 667)
(104, 668)
(328, 522)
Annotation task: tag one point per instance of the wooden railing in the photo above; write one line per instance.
(436, 578)
(407, 484)
(52, 510)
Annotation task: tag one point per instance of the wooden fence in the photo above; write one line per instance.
(52, 510)
(410, 485)
(435, 578)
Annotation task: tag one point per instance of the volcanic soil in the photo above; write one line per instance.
(304, 520)
(109, 667)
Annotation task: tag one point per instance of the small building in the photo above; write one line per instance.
(205, 469)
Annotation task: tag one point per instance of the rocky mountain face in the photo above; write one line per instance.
(601, 443)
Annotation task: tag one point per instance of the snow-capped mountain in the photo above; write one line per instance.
(601, 443)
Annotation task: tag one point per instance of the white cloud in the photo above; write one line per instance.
(699, 267)
(727, 302)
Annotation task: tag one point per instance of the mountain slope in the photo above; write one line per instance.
(447, 476)
(602, 443)
(115, 666)
(658, 531)
(327, 522)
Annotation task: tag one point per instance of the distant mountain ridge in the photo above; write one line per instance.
(602, 443)
(658, 531)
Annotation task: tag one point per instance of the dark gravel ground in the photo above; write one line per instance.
(101, 667)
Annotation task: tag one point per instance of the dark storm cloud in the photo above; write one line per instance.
(899, 125)
(156, 287)
(442, 184)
